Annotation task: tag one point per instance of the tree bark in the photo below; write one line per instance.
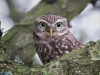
(83, 61)
(18, 41)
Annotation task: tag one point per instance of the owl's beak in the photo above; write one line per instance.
(51, 32)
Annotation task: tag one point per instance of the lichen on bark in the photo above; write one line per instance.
(18, 41)
(77, 62)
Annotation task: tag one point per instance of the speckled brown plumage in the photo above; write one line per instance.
(50, 47)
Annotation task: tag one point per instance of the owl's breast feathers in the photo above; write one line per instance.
(49, 51)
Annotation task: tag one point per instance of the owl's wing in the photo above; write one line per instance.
(66, 44)
(73, 42)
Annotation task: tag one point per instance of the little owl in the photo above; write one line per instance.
(52, 37)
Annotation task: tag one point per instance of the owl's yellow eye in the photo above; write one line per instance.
(59, 25)
(42, 24)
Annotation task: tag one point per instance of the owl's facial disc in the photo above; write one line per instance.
(46, 29)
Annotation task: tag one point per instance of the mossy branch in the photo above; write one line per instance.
(83, 61)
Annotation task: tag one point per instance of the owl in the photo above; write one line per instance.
(52, 37)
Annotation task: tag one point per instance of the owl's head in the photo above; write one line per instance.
(50, 26)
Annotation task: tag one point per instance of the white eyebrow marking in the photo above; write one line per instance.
(53, 25)
(45, 22)
(59, 20)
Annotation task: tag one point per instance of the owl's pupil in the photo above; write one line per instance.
(59, 25)
(42, 24)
